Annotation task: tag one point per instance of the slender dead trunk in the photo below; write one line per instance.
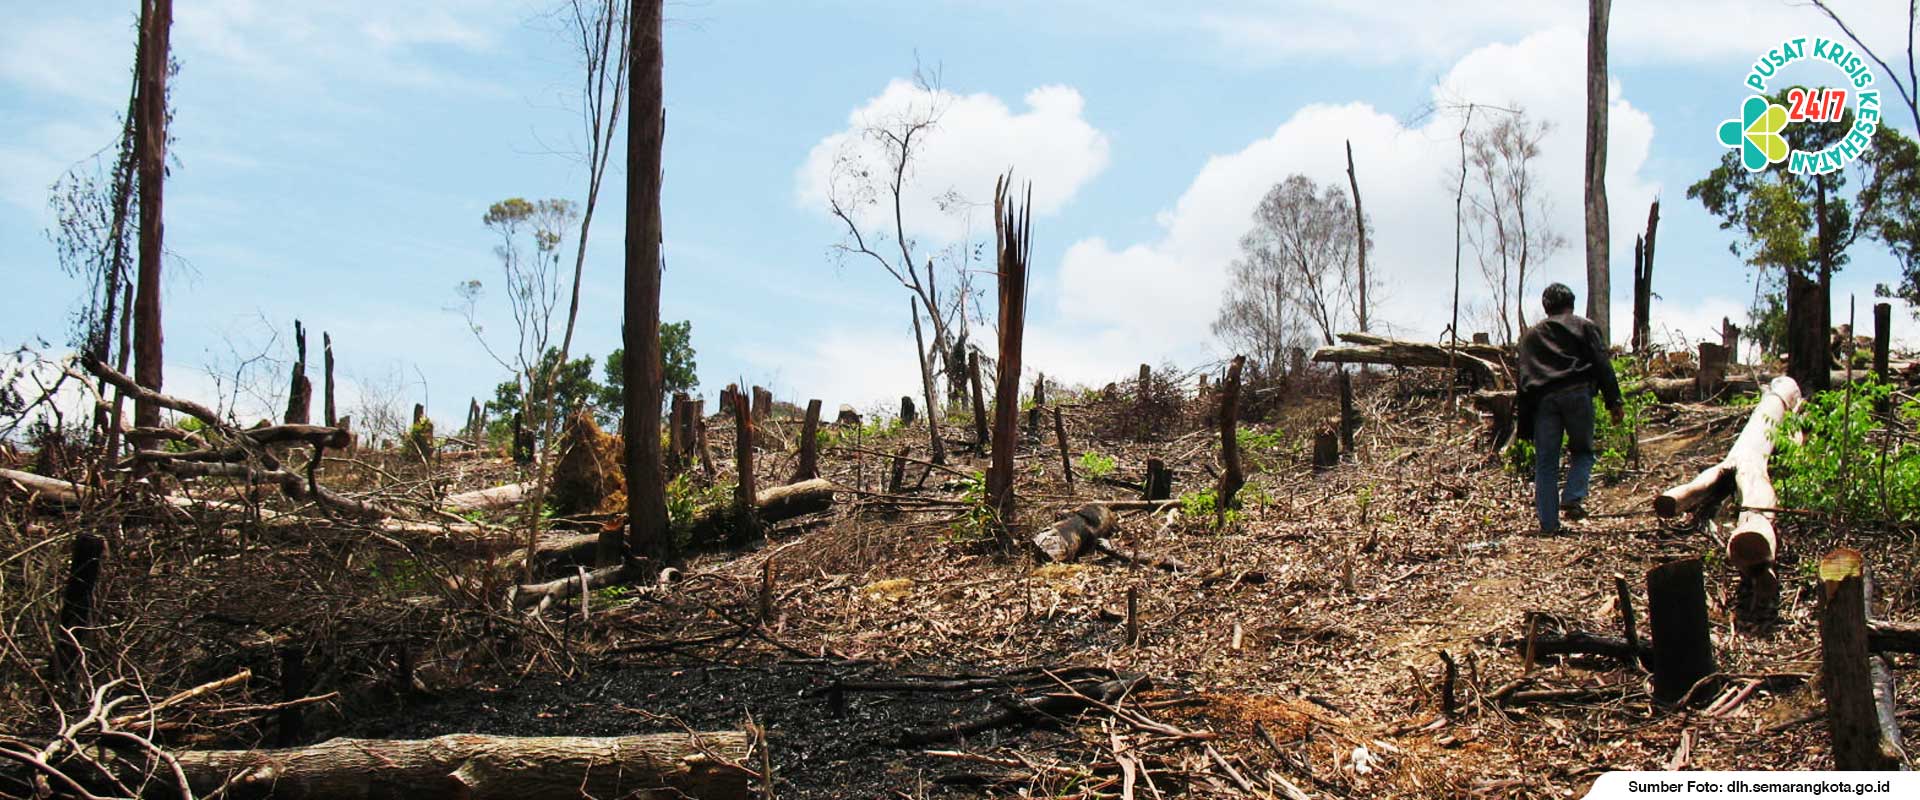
(934, 444)
(980, 435)
(300, 390)
(326, 345)
(1360, 232)
(1643, 282)
(647, 533)
(1231, 477)
(150, 158)
(1599, 279)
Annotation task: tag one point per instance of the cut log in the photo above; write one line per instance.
(1857, 683)
(1677, 620)
(474, 767)
(506, 496)
(794, 499)
(1076, 534)
(1894, 637)
(1752, 543)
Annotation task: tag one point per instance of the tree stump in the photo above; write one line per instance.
(1857, 683)
(1712, 372)
(1326, 448)
(809, 445)
(1159, 483)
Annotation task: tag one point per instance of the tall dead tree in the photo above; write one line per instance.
(1013, 242)
(1643, 282)
(647, 533)
(1231, 476)
(934, 444)
(300, 390)
(327, 407)
(1599, 280)
(150, 159)
(981, 437)
(1360, 232)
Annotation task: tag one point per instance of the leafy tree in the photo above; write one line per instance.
(676, 351)
(1795, 229)
(572, 388)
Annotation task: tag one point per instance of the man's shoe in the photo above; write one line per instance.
(1575, 511)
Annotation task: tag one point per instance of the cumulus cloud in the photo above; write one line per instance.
(974, 139)
(1168, 287)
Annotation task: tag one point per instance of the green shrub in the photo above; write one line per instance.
(977, 524)
(1095, 465)
(1205, 504)
(1880, 478)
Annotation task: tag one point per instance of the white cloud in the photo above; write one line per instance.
(1167, 289)
(976, 138)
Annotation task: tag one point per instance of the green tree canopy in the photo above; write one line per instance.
(676, 351)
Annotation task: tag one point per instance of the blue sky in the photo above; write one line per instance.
(334, 160)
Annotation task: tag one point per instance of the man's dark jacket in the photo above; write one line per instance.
(1559, 353)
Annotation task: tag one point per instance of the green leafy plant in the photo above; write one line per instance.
(1205, 504)
(1261, 450)
(1833, 456)
(977, 523)
(1614, 443)
(1518, 459)
(685, 498)
(1097, 466)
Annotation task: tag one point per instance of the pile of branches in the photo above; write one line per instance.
(1142, 411)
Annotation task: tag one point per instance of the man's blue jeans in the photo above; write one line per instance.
(1568, 412)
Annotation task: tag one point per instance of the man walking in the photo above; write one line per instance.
(1563, 363)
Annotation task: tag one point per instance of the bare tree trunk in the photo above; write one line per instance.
(743, 488)
(1809, 353)
(150, 158)
(326, 345)
(300, 392)
(934, 444)
(809, 445)
(980, 435)
(1013, 241)
(76, 609)
(1360, 229)
(1066, 459)
(1882, 335)
(1599, 279)
(647, 533)
(1231, 477)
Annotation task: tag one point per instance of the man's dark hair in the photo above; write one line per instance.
(1557, 298)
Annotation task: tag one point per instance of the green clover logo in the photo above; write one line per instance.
(1757, 134)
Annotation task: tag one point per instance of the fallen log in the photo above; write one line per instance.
(1752, 543)
(476, 767)
(1484, 361)
(1076, 534)
(1894, 637)
(542, 594)
(1581, 643)
(31, 484)
(506, 496)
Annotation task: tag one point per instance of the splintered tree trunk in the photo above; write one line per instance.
(809, 445)
(475, 767)
(1013, 241)
(150, 161)
(676, 434)
(76, 607)
(1677, 620)
(1643, 282)
(1066, 459)
(1360, 229)
(646, 533)
(300, 392)
(934, 444)
(1730, 339)
(980, 435)
(1039, 400)
(327, 407)
(762, 406)
(1599, 278)
(700, 436)
(1856, 681)
(1231, 478)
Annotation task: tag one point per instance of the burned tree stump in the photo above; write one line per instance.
(1013, 242)
(300, 392)
(76, 608)
(326, 346)
(762, 406)
(1159, 483)
(847, 416)
(809, 445)
(907, 415)
(1066, 457)
(1712, 372)
(1326, 448)
(1857, 682)
(1039, 401)
(1882, 335)
(743, 493)
(1677, 620)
